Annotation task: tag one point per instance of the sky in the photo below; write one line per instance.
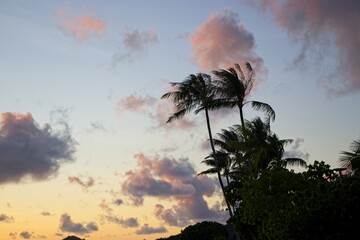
(84, 147)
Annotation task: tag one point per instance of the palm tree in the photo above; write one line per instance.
(233, 87)
(262, 147)
(351, 160)
(196, 93)
(254, 147)
(223, 161)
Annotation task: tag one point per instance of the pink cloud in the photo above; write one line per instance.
(222, 41)
(327, 25)
(81, 27)
(163, 111)
(134, 103)
(169, 178)
(157, 111)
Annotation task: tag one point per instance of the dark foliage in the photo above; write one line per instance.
(204, 231)
(72, 238)
(316, 204)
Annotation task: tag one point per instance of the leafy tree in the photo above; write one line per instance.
(281, 204)
(196, 93)
(233, 87)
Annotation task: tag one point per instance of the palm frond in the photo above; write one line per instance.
(294, 162)
(264, 107)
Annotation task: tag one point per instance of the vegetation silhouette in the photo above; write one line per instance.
(73, 238)
(196, 93)
(266, 200)
(233, 87)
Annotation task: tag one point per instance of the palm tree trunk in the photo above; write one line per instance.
(216, 162)
(242, 116)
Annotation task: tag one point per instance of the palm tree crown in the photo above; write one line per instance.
(351, 160)
(233, 87)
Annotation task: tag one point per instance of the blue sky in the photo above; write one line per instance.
(94, 71)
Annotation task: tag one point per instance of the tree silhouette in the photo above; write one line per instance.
(233, 87)
(351, 160)
(196, 93)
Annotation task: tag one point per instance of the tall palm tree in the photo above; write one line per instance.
(351, 160)
(196, 93)
(234, 86)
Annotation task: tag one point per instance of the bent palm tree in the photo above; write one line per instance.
(351, 160)
(196, 93)
(233, 88)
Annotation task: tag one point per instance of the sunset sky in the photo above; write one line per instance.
(84, 148)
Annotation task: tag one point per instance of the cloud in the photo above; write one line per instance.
(104, 206)
(151, 179)
(189, 209)
(13, 235)
(322, 26)
(157, 111)
(81, 27)
(5, 218)
(118, 202)
(126, 223)
(67, 225)
(26, 234)
(89, 183)
(172, 179)
(30, 151)
(163, 111)
(146, 229)
(45, 213)
(135, 103)
(135, 42)
(295, 151)
(98, 126)
(222, 41)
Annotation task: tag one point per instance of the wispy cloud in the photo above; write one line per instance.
(13, 235)
(295, 150)
(84, 184)
(80, 27)
(26, 234)
(158, 111)
(67, 225)
(222, 41)
(45, 213)
(104, 206)
(146, 230)
(169, 178)
(30, 151)
(324, 25)
(5, 218)
(135, 42)
(135, 103)
(126, 223)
